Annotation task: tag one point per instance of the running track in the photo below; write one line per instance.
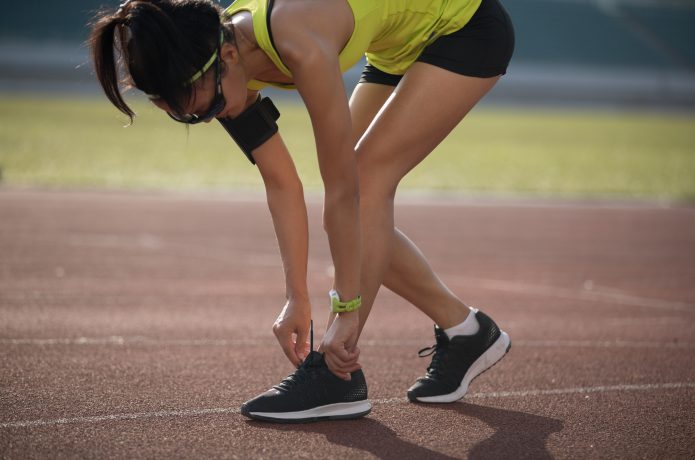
(133, 326)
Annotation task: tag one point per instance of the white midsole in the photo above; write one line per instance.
(486, 360)
(328, 410)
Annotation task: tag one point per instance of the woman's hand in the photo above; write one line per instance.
(292, 330)
(340, 345)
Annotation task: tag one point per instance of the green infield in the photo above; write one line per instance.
(83, 142)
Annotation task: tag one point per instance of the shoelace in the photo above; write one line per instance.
(296, 378)
(438, 349)
(435, 364)
(431, 350)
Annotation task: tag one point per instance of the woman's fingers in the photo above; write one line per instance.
(284, 337)
(291, 329)
(341, 362)
(301, 346)
(342, 372)
(340, 345)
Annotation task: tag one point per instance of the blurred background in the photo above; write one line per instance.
(599, 101)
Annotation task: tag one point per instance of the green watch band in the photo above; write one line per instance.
(341, 307)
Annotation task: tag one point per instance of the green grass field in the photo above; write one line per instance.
(82, 143)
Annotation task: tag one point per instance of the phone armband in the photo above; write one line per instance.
(254, 126)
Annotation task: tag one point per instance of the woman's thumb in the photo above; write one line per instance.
(301, 346)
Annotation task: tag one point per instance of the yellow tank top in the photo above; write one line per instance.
(391, 33)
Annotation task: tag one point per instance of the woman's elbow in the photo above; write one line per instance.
(285, 188)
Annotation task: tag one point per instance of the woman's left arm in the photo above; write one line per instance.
(316, 72)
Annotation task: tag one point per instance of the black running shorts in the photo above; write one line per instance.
(482, 48)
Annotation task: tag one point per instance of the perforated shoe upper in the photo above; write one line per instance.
(311, 385)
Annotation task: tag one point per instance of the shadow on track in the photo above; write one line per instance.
(365, 434)
(517, 434)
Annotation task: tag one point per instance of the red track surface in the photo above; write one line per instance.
(134, 326)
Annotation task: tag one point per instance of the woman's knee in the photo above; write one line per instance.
(377, 180)
(376, 193)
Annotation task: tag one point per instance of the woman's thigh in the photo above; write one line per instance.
(422, 110)
(365, 102)
(436, 92)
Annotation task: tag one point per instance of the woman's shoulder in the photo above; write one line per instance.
(301, 25)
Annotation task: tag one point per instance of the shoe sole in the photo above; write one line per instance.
(488, 359)
(338, 411)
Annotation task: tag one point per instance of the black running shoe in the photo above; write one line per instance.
(311, 393)
(457, 361)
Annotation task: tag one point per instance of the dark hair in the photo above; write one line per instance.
(155, 46)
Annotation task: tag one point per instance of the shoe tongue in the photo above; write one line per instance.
(314, 359)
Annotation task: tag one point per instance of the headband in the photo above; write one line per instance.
(205, 68)
(196, 76)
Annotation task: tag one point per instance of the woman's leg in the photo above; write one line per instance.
(409, 274)
(411, 277)
(427, 104)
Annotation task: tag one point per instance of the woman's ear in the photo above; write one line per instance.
(230, 53)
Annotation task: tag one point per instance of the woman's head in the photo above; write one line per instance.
(160, 47)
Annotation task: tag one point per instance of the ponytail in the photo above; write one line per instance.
(104, 58)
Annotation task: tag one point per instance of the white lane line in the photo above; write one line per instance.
(116, 417)
(576, 294)
(386, 401)
(137, 340)
(581, 390)
(561, 391)
(118, 340)
(551, 343)
(601, 344)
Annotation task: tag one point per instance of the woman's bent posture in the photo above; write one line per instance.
(429, 63)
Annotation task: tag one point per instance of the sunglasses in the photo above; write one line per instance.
(218, 101)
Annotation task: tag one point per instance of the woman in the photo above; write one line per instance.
(430, 62)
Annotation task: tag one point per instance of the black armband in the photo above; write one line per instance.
(252, 127)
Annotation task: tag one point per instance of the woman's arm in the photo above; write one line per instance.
(285, 197)
(309, 37)
(320, 83)
(321, 87)
(316, 71)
